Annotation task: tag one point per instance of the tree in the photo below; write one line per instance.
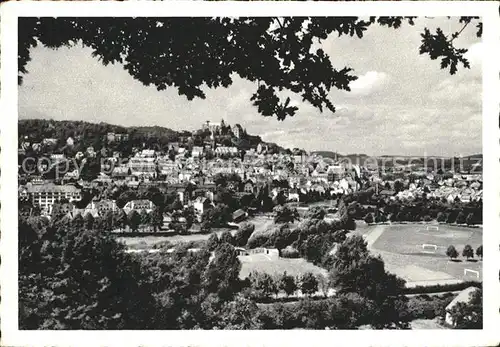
(441, 217)
(121, 219)
(205, 227)
(222, 275)
(451, 252)
(109, 221)
(239, 314)
(145, 219)
(157, 218)
(77, 221)
(232, 47)
(452, 217)
(461, 218)
(217, 216)
(133, 220)
(243, 234)
(226, 237)
(355, 270)
(479, 252)
(398, 186)
(369, 218)
(316, 212)
(110, 296)
(190, 215)
(262, 285)
(287, 284)
(213, 242)
(394, 217)
(281, 237)
(323, 284)
(88, 221)
(469, 315)
(308, 283)
(285, 214)
(468, 252)
(125, 197)
(470, 219)
(382, 218)
(176, 205)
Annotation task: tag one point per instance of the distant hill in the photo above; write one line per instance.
(354, 158)
(88, 134)
(326, 154)
(154, 131)
(38, 129)
(94, 134)
(466, 163)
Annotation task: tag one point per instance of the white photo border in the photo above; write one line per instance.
(12, 336)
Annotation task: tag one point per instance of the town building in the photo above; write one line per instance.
(49, 141)
(237, 131)
(225, 150)
(138, 205)
(45, 195)
(213, 127)
(116, 137)
(102, 206)
(200, 205)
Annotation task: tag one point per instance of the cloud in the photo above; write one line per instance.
(413, 106)
(466, 92)
(475, 54)
(368, 83)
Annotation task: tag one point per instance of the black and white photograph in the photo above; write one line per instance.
(250, 173)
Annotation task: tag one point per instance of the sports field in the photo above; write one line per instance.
(276, 266)
(400, 246)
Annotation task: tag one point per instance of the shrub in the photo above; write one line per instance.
(226, 237)
(438, 288)
(290, 252)
(369, 218)
(441, 217)
(452, 252)
(479, 251)
(257, 241)
(468, 252)
(428, 307)
(243, 234)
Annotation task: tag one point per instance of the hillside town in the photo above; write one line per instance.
(246, 173)
(188, 174)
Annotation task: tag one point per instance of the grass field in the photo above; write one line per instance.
(264, 225)
(401, 248)
(264, 263)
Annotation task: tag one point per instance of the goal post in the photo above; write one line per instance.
(432, 228)
(471, 273)
(429, 248)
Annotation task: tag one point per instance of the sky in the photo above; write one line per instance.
(402, 103)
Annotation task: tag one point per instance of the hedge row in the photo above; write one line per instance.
(440, 288)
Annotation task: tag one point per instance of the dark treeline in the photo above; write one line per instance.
(86, 134)
(74, 276)
(379, 209)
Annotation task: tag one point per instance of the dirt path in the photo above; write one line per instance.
(373, 235)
